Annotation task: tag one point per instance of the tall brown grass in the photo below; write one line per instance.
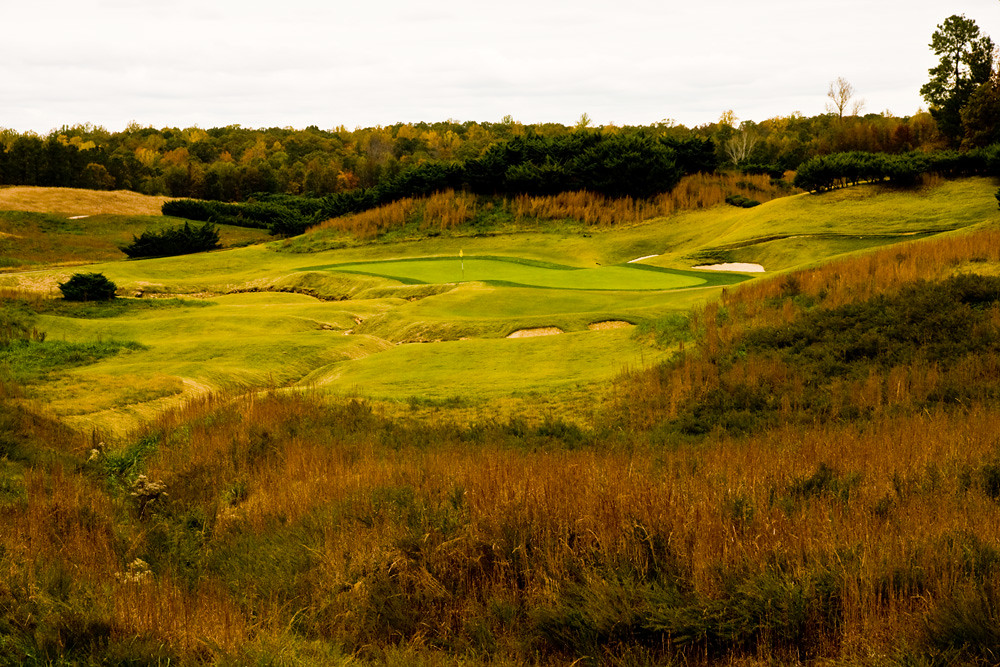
(425, 544)
(695, 191)
(449, 210)
(441, 211)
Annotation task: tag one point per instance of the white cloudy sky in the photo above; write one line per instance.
(295, 63)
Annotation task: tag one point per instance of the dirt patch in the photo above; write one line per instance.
(608, 324)
(530, 333)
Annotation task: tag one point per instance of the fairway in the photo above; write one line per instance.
(481, 369)
(512, 271)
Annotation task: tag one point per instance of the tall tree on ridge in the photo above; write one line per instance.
(840, 93)
(966, 63)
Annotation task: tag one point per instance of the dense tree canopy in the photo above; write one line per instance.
(966, 64)
(981, 115)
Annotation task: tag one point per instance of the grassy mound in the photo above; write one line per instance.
(76, 202)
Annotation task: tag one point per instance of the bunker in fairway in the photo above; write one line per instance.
(526, 273)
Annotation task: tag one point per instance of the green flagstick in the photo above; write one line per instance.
(461, 255)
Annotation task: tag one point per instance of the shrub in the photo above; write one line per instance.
(182, 240)
(281, 216)
(741, 201)
(88, 287)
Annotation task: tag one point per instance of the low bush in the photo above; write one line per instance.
(741, 201)
(281, 216)
(88, 287)
(182, 240)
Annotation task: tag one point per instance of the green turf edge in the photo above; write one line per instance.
(496, 258)
(710, 278)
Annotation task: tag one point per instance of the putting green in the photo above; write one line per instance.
(518, 272)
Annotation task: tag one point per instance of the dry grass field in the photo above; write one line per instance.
(73, 202)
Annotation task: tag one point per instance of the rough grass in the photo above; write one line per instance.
(35, 240)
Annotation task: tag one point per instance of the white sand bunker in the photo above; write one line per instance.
(608, 324)
(529, 333)
(742, 267)
(639, 259)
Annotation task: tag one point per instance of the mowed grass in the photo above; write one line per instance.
(781, 234)
(478, 310)
(480, 369)
(804, 229)
(243, 342)
(518, 272)
(240, 342)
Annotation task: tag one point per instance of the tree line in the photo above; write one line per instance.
(827, 172)
(231, 163)
(638, 165)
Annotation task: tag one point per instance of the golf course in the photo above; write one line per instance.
(262, 317)
(536, 443)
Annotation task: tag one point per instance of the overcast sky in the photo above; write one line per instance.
(295, 63)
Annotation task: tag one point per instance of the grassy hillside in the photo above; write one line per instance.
(46, 226)
(797, 468)
(74, 202)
